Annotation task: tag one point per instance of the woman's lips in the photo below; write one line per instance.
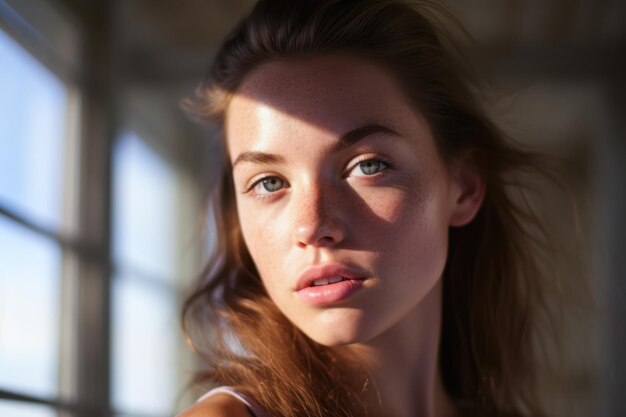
(330, 293)
(329, 283)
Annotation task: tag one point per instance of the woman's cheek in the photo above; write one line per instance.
(390, 205)
(249, 226)
(263, 229)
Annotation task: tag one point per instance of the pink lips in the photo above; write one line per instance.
(329, 283)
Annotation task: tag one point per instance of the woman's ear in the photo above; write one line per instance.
(468, 192)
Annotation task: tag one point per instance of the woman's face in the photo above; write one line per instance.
(343, 200)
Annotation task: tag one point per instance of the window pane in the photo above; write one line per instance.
(144, 209)
(20, 409)
(32, 116)
(29, 311)
(145, 331)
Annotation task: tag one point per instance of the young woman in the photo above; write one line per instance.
(371, 260)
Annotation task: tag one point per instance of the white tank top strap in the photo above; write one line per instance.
(252, 405)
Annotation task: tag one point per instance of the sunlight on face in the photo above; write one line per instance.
(343, 200)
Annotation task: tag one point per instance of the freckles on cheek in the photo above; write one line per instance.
(261, 240)
(264, 228)
(398, 207)
(412, 213)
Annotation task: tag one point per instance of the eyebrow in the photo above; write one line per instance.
(356, 135)
(346, 140)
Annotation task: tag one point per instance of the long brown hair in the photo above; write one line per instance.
(491, 281)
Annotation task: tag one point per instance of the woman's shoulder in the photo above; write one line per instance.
(217, 405)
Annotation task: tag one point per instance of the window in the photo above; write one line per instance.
(92, 241)
(20, 409)
(30, 303)
(31, 157)
(144, 326)
(33, 165)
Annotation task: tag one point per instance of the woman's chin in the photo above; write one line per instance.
(338, 327)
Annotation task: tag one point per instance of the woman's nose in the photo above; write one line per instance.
(318, 219)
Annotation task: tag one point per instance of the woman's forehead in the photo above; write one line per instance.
(332, 73)
(331, 93)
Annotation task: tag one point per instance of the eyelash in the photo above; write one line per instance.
(366, 158)
(257, 182)
(359, 160)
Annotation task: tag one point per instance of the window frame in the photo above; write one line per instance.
(52, 38)
(83, 51)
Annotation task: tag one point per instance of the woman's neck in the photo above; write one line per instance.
(403, 364)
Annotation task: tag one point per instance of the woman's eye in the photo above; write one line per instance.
(268, 185)
(368, 167)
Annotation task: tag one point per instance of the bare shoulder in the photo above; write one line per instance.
(218, 405)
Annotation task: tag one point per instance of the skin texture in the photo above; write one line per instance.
(322, 203)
